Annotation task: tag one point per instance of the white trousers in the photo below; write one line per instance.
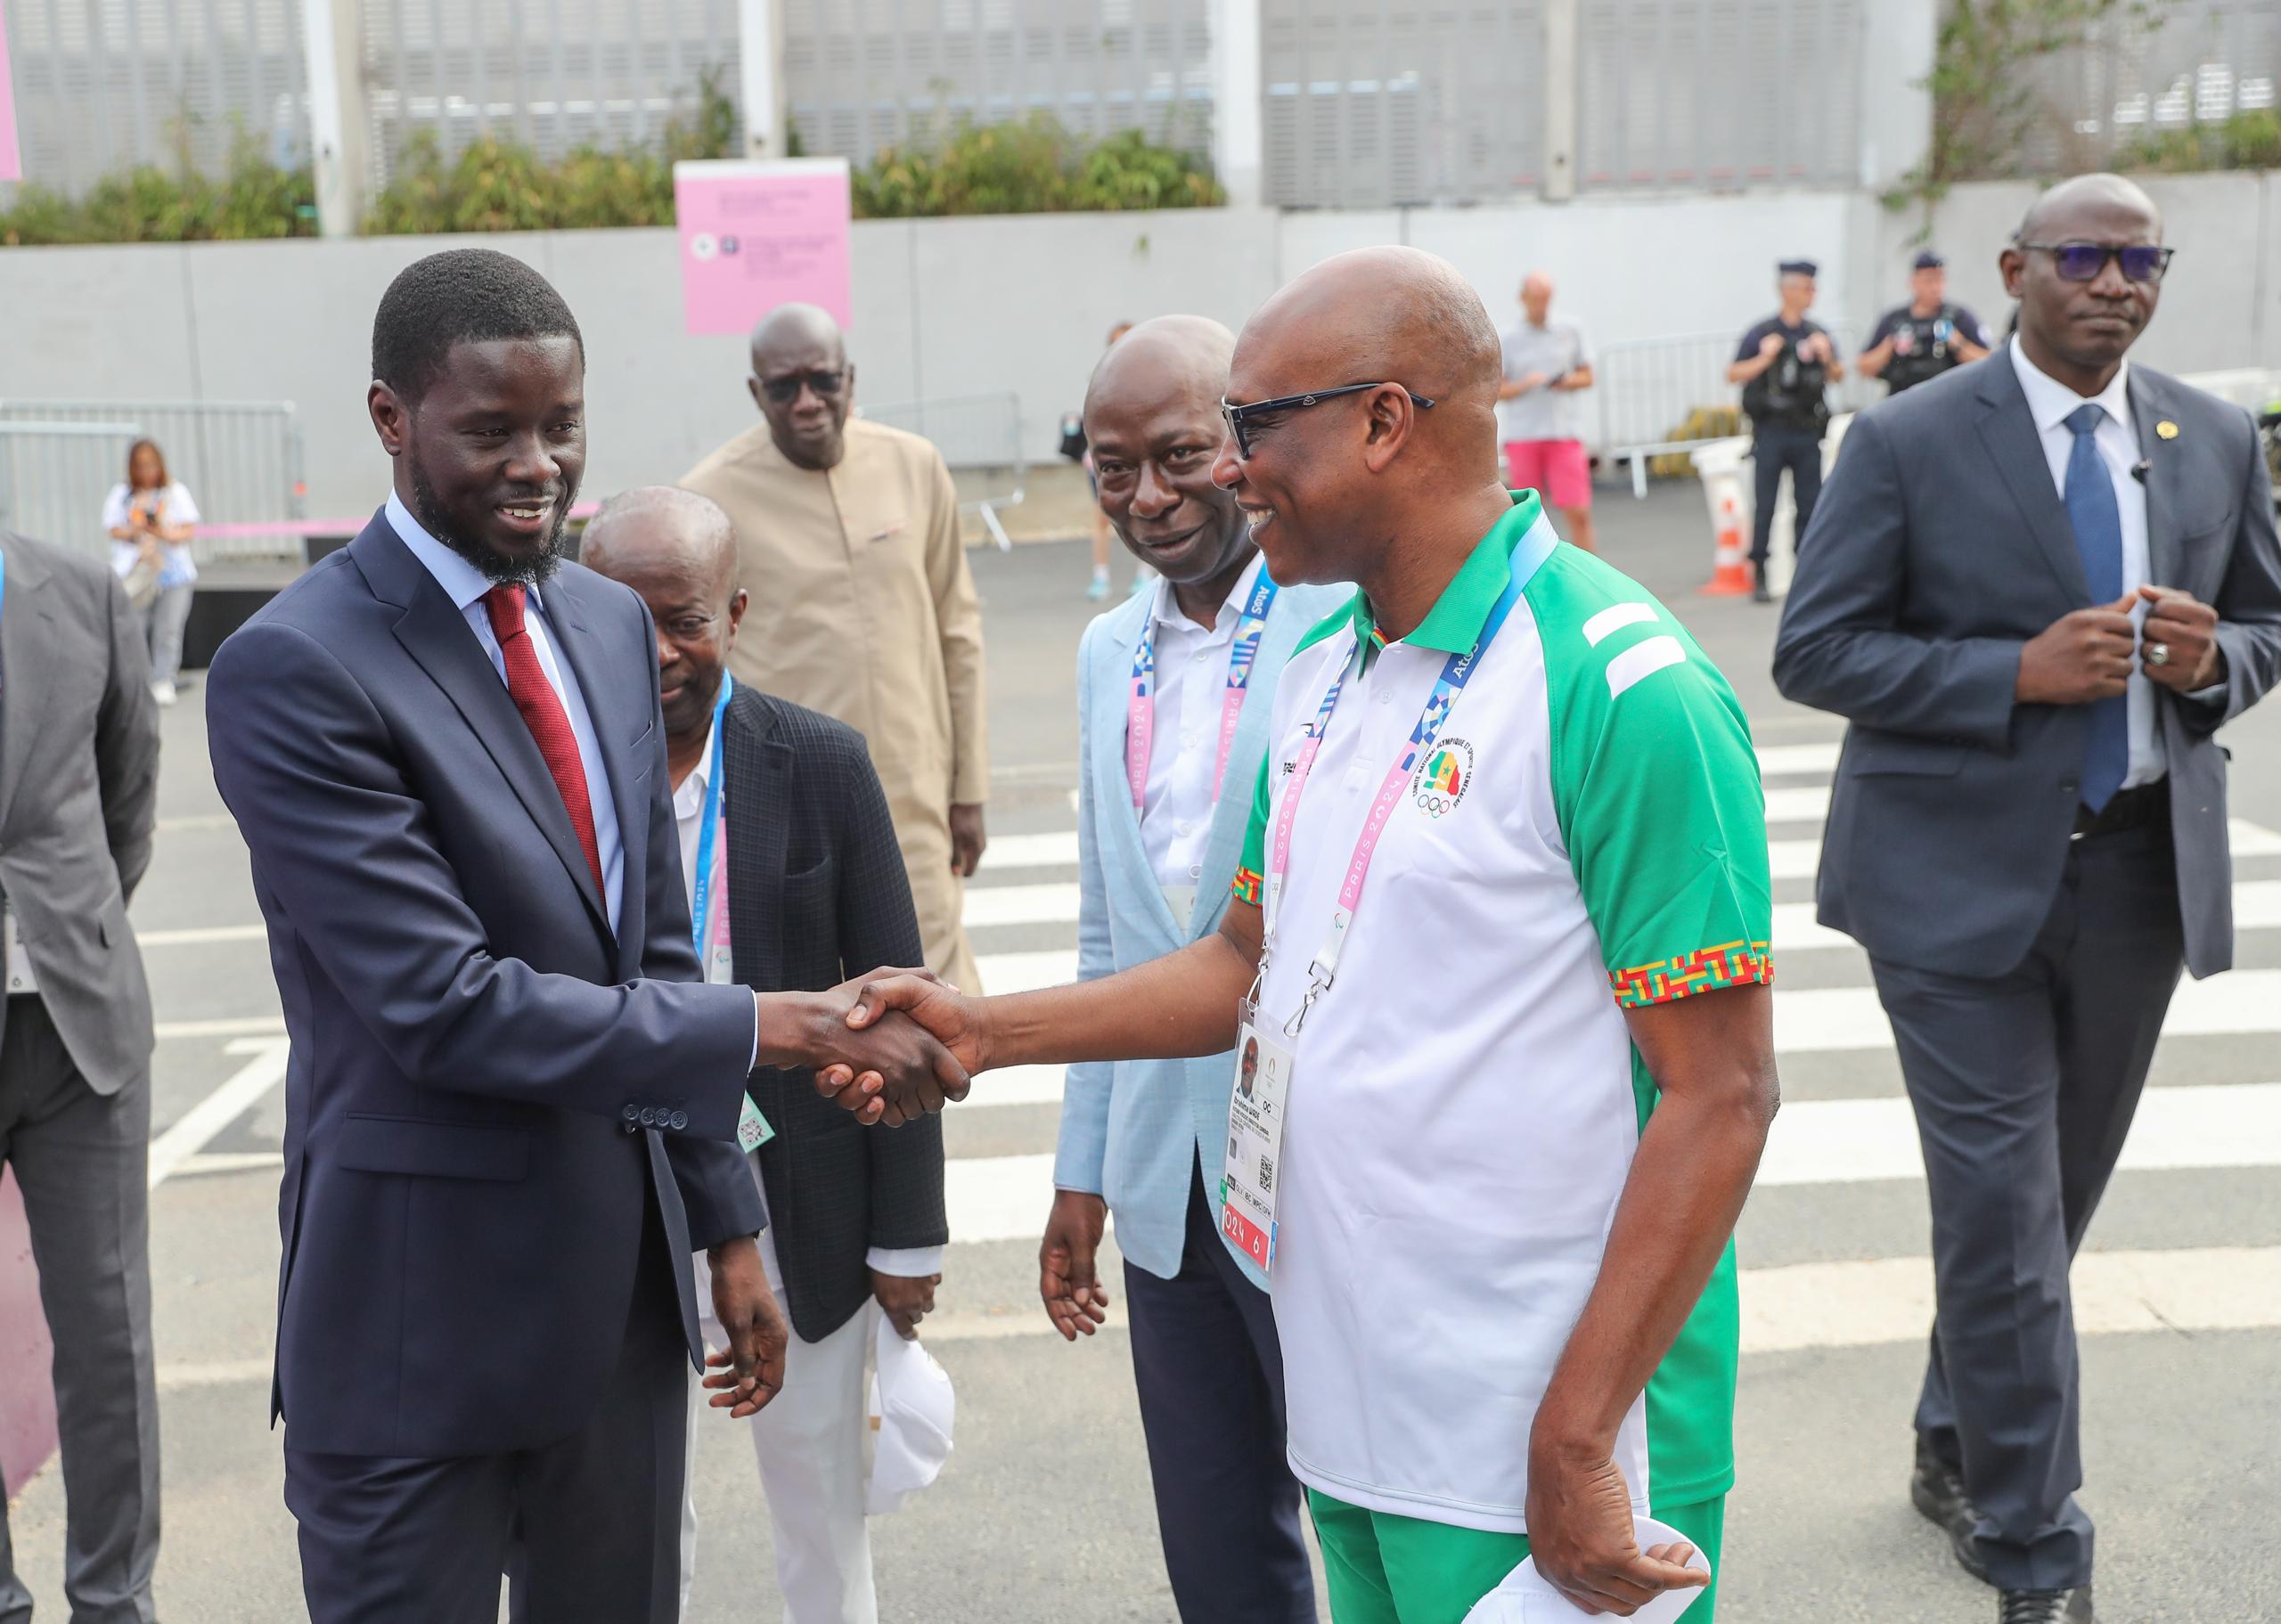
(810, 1444)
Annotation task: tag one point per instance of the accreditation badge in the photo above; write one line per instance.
(752, 1131)
(1257, 1106)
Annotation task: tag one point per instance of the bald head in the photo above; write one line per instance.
(796, 326)
(1170, 354)
(678, 551)
(655, 524)
(1388, 313)
(802, 383)
(2068, 204)
(1536, 297)
(1329, 482)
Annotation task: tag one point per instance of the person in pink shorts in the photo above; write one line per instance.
(1546, 364)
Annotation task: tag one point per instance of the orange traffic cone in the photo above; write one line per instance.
(1729, 571)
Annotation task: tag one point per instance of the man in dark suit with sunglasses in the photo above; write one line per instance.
(2036, 588)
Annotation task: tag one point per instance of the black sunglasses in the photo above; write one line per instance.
(2084, 261)
(786, 389)
(1236, 417)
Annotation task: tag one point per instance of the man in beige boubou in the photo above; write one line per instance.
(862, 607)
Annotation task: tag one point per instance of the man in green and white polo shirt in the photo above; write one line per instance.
(1506, 899)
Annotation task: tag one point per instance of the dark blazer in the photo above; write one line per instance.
(1938, 549)
(487, 1090)
(78, 793)
(817, 893)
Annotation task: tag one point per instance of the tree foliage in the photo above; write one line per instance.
(1984, 101)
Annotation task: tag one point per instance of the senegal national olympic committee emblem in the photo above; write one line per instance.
(1443, 776)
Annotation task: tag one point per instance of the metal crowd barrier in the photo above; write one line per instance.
(240, 461)
(980, 438)
(1659, 397)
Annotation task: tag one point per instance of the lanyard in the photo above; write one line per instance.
(709, 820)
(1140, 711)
(1455, 675)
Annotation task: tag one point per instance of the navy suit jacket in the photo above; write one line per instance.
(1938, 549)
(487, 1086)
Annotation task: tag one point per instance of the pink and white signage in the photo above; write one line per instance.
(755, 235)
(12, 162)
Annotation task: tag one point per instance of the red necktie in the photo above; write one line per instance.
(548, 722)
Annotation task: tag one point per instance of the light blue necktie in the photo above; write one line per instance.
(2097, 521)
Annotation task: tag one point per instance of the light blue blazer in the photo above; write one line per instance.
(1131, 1130)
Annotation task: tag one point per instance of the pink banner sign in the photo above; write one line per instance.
(11, 161)
(754, 235)
(27, 1395)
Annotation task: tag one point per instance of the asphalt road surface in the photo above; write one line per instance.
(1044, 1511)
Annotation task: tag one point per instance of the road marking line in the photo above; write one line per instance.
(229, 1161)
(1026, 972)
(200, 935)
(227, 1372)
(1776, 760)
(1790, 1310)
(1857, 1141)
(196, 820)
(1814, 1142)
(247, 1026)
(198, 1126)
(1890, 1300)
(1807, 804)
(1044, 904)
(1828, 1019)
(1052, 850)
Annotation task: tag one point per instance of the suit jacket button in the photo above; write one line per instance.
(633, 1114)
(680, 1120)
(648, 1119)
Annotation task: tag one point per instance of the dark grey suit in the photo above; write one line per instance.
(817, 893)
(78, 787)
(2026, 971)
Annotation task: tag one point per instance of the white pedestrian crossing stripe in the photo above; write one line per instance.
(1814, 1142)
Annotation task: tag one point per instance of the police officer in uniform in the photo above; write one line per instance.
(1928, 336)
(1785, 364)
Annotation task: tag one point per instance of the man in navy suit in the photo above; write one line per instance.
(2036, 588)
(512, 1100)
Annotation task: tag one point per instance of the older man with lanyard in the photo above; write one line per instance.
(1176, 690)
(1508, 993)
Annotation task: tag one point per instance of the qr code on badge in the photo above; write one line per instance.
(1266, 1173)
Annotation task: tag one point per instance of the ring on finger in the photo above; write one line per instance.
(2158, 654)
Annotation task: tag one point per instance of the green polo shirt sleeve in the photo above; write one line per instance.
(1251, 868)
(1656, 785)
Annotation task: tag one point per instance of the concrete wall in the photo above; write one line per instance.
(949, 307)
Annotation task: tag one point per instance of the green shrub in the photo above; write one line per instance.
(1036, 165)
(254, 197)
(2246, 140)
(1032, 167)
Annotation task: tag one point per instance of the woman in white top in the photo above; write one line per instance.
(149, 518)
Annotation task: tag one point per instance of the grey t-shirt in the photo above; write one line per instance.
(1542, 414)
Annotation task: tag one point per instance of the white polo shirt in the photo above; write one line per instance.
(1588, 832)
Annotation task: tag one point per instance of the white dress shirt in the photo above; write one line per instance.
(688, 806)
(2116, 439)
(1191, 686)
(464, 584)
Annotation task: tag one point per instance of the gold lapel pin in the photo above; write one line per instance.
(2166, 429)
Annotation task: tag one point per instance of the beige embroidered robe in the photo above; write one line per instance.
(863, 609)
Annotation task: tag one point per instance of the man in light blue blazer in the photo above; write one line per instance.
(1175, 688)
